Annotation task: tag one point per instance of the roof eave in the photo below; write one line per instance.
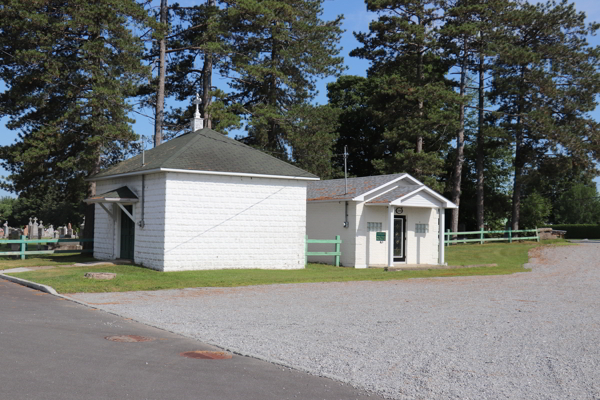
(198, 172)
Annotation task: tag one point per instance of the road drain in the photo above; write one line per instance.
(129, 338)
(206, 355)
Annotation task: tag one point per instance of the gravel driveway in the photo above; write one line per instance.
(531, 335)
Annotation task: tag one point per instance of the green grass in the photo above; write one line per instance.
(43, 260)
(509, 257)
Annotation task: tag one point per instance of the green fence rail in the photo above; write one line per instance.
(481, 239)
(336, 254)
(23, 252)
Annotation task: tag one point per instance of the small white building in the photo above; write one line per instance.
(384, 220)
(202, 201)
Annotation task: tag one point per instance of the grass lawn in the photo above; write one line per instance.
(43, 260)
(509, 257)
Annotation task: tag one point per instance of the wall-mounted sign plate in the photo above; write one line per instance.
(380, 236)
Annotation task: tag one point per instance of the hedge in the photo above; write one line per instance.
(578, 231)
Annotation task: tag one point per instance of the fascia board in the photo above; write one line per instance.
(329, 200)
(185, 171)
(110, 200)
(445, 202)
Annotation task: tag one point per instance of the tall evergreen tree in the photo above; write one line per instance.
(545, 81)
(359, 131)
(280, 48)
(416, 102)
(69, 68)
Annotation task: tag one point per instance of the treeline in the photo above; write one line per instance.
(487, 101)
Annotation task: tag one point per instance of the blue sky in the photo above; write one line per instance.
(356, 19)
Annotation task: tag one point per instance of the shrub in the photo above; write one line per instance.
(578, 231)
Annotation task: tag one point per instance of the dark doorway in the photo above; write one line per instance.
(399, 238)
(127, 234)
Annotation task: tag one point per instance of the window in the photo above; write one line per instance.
(374, 226)
(422, 228)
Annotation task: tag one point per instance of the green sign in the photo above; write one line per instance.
(380, 236)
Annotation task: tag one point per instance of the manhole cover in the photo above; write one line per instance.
(206, 355)
(129, 338)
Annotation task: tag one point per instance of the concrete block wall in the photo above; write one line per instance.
(216, 222)
(422, 248)
(149, 240)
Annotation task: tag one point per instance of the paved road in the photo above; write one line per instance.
(52, 348)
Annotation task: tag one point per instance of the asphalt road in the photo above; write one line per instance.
(52, 348)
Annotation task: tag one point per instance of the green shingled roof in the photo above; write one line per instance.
(206, 150)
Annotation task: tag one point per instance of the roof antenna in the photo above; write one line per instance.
(346, 167)
(143, 151)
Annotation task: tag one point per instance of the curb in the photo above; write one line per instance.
(33, 285)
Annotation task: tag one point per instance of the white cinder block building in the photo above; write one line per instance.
(202, 201)
(383, 220)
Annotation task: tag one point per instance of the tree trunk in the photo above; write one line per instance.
(480, 148)
(419, 144)
(460, 142)
(160, 93)
(519, 161)
(207, 70)
(272, 139)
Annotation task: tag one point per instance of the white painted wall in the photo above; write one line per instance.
(149, 241)
(217, 222)
(422, 248)
(375, 252)
(325, 220)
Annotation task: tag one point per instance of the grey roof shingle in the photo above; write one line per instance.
(206, 150)
(334, 189)
(392, 195)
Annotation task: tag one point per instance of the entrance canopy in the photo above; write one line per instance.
(120, 195)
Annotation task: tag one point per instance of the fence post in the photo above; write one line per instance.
(448, 236)
(337, 250)
(306, 250)
(481, 236)
(510, 235)
(23, 246)
(537, 234)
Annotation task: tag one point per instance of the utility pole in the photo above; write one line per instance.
(160, 93)
(346, 168)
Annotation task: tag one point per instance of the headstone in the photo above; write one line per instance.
(6, 229)
(40, 230)
(62, 231)
(50, 232)
(34, 229)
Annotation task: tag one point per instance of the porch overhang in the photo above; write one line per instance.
(121, 195)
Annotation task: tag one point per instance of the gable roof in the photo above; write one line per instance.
(205, 151)
(385, 189)
(335, 189)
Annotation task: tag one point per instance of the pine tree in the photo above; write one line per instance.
(280, 49)
(414, 100)
(359, 131)
(469, 35)
(69, 68)
(545, 81)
